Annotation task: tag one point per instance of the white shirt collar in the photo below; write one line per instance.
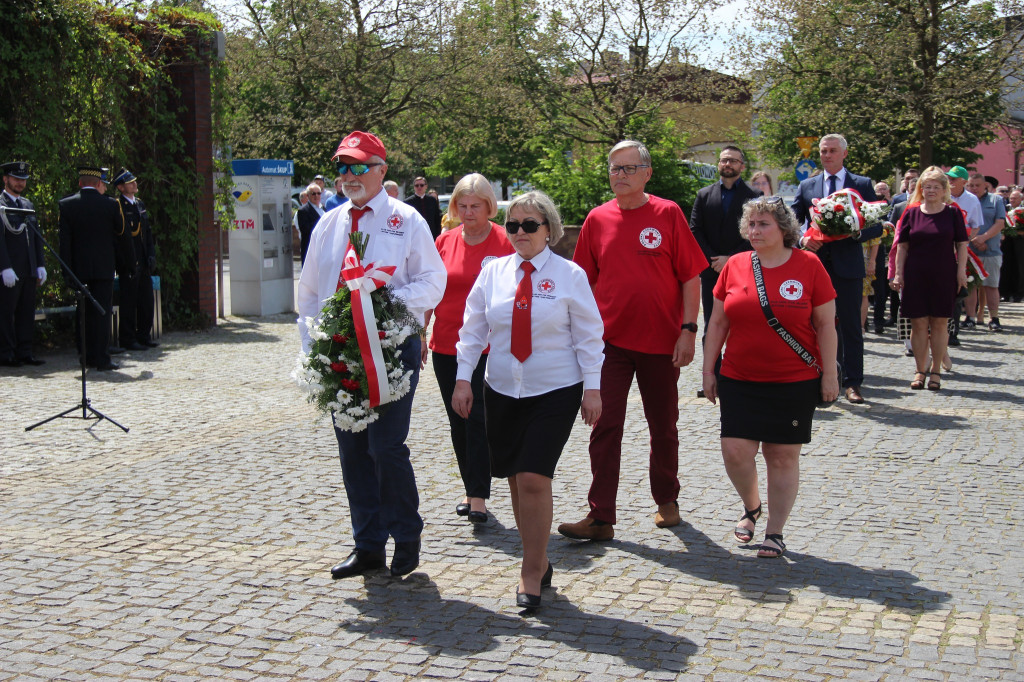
(9, 195)
(376, 205)
(537, 261)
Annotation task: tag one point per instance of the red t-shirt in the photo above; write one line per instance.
(753, 350)
(463, 263)
(637, 262)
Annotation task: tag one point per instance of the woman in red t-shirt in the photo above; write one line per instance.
(465, 250)
(768, 390)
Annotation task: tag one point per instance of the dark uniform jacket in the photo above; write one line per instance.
(136, 223)
(23, 252)
(93, 239)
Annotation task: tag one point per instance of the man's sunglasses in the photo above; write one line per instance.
(356, 168)
(529, 226)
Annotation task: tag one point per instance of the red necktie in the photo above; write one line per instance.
(356, 214)
(521, 344)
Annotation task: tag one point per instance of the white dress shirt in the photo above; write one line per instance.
(565, 325)
(840, 180)
(398, 236)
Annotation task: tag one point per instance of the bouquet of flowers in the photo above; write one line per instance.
(975, 271)
(353, 368)
(843, 214)
(888, 234)
(1014, 222)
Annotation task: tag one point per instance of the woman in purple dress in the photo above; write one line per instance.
(931, 266)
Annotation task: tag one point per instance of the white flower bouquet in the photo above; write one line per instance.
(843, 214)
(353, 368)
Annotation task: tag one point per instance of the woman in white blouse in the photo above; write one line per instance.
(536, 311)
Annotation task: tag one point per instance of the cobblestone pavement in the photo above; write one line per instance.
(197, 546)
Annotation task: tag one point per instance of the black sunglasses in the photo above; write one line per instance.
(529, 226)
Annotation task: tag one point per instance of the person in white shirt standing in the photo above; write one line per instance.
(537, 312)
(379, 478)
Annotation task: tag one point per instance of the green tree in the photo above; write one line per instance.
(907, 82)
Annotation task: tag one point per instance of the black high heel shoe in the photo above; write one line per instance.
(545, 580)
(528, 601)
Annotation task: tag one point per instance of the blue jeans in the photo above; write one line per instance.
(379, 479)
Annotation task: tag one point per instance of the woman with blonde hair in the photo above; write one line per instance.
(931, 267)
(465, 249)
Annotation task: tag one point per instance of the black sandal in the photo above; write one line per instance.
(918, 384)
(776, 552)
(934, 384)
(744, 535)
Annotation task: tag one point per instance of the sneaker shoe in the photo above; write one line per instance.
(953, 341)
(994, 325)
(667, 515)
(588, 529)
(968, 323)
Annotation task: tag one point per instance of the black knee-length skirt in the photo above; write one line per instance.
(528, 434)
(766, 412)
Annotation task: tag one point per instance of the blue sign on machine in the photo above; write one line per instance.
(262, 167)
(804, 168)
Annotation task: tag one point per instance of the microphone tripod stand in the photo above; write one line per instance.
(82, 295)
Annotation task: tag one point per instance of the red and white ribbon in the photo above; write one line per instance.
(362, 281)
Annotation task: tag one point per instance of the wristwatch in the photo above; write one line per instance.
(689, 327)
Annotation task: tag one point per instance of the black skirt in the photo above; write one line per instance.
(528, 434)
(767, 412)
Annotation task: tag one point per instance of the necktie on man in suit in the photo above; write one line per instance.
(831, 185)
(522, 346)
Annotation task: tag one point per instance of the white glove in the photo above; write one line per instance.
(41, 274)
(9, 277)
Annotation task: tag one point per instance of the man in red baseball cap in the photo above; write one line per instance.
(379, 480)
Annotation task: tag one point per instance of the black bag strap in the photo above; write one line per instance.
(773, 321)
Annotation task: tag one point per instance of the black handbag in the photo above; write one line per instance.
(774, 323)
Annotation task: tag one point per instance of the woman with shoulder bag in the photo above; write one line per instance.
(775, 314)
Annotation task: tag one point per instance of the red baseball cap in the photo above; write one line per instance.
(360, 146)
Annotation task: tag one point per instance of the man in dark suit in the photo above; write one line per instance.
(136, 312)
(427, 205)
(94, 243)
(21, 267)
(843, 259)
(309, 215)
(715, 223)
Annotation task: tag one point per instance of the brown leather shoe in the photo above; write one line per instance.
(588, 529)
(668, 515)
(854, 396)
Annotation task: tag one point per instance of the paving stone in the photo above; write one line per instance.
(197, 545)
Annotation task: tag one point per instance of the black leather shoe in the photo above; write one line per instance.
(135, 346)
(108, 367)
(149, 344)
(528, 601)
(462, 509)
(477, 517)
(35, 362)
(115, 350)
(545, 580)
(406, 558)
(359, 561)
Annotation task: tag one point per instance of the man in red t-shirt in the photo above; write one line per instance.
(643, 264)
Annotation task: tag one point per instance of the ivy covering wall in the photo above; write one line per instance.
(83, 83)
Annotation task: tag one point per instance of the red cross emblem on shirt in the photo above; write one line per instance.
(650, 237)
(792, 289)
(395, 221)
(546, 286)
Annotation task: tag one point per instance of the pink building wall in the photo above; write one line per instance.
(1002, 156)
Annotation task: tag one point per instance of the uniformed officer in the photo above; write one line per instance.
(136, 311)
(93, 243)
(21, 268)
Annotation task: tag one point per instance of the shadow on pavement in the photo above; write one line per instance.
(704, 559)
(395, 610)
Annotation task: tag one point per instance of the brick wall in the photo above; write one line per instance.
(193, 81)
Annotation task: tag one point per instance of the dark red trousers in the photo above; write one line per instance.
(656, 378)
